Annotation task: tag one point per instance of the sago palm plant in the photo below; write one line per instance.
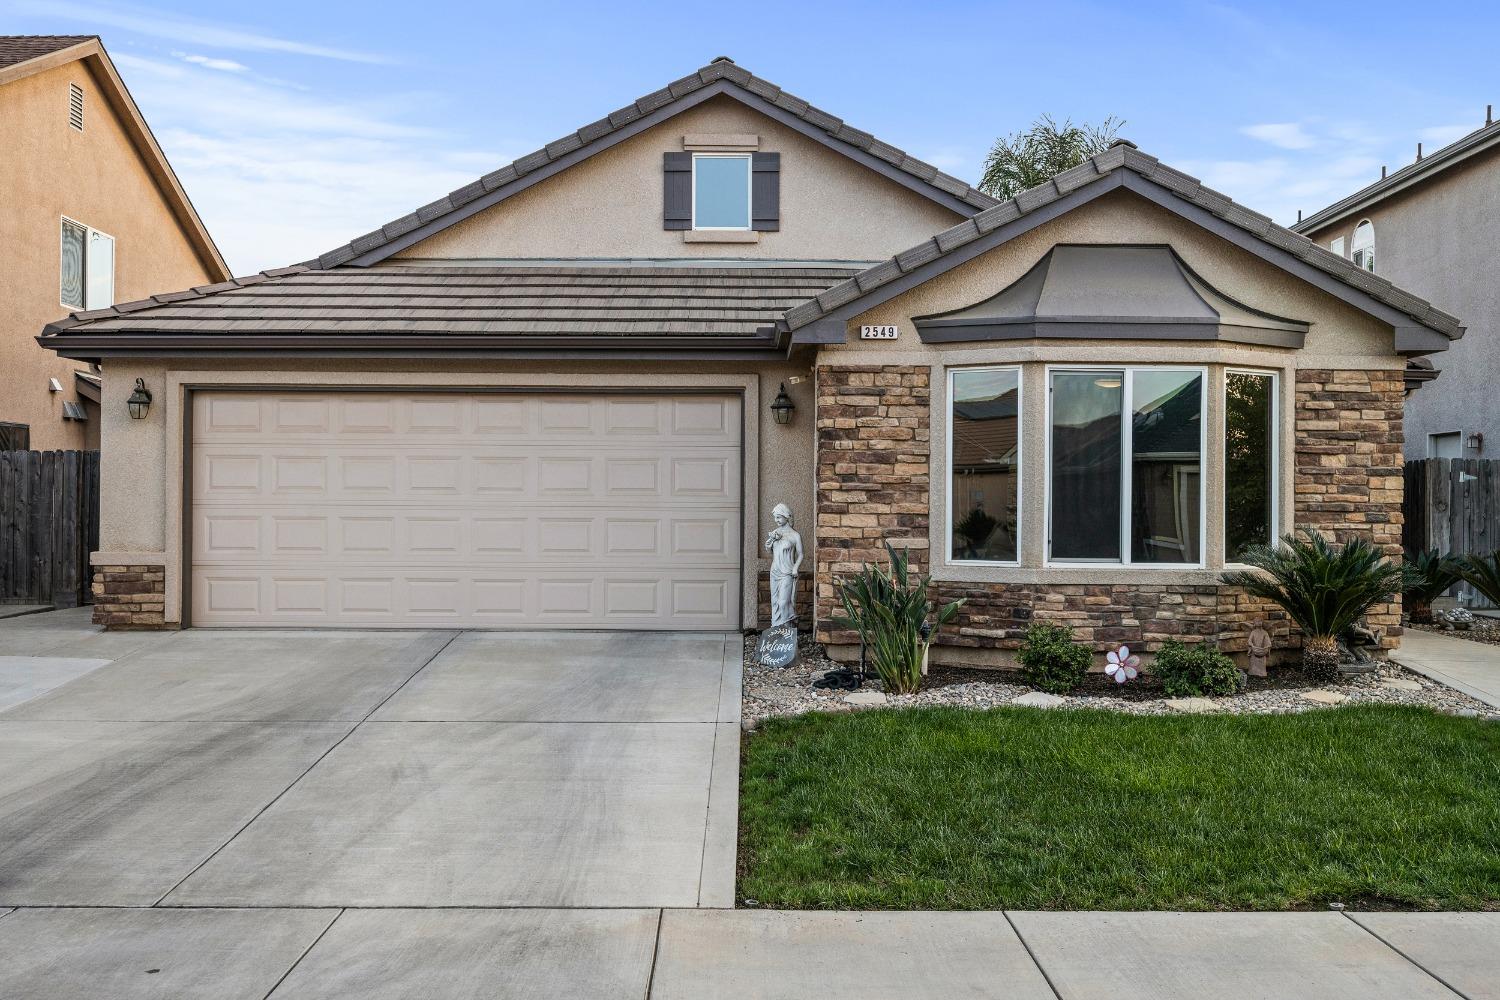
(888, 611)
(1323, 589)
(1428, 575)
(1482, 573)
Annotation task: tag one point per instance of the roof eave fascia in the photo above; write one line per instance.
(724, 87)
(1362, 201)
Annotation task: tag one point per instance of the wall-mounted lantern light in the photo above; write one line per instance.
(782, 407)
(1476, 441)
(139, 401)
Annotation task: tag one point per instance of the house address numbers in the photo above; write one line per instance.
(879, 332)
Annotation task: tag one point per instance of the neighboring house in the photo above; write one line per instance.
(90, 215)
(551, 398)
(1430, 227)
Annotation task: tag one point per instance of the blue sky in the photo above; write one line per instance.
(295, 126)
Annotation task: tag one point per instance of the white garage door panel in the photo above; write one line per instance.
(501, 510)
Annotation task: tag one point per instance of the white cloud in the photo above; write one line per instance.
(1284, 135)
(209, 62)
(1441, 135)
(280, 176)
(161, 24)
(1279, 186)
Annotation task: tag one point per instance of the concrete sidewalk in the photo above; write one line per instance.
(455, 954)
(1468, 666)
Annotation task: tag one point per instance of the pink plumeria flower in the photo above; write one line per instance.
(1122, 665)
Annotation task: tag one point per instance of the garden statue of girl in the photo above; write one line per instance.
(785, 546)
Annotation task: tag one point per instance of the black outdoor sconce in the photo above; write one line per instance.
(782, 407)
(139, 401)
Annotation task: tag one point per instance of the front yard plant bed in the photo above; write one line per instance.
(1378, 807)
(772, 692)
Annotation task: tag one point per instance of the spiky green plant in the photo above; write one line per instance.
(1323, 589)
(1428, 575)
(1482, 573)
(888, 609)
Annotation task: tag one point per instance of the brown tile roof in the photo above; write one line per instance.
(499, 305)
(20, 48)
(1123, 156)
(721, 70)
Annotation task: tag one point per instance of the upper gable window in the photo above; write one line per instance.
(721, 191)
(1363, 246)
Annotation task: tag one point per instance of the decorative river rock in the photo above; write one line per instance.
(778, 646)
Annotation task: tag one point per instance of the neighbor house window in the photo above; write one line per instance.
(1250, 450)
(1446, 445)
(1125, 463)
(721, 191)
(1337, 246)
(984, 465)
(1363, 246)
(87, 279)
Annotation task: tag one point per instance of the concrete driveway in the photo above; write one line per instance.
(381, 769)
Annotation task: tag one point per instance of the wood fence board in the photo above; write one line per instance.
(49, 523)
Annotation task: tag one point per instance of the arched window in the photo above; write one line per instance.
(1364, 246)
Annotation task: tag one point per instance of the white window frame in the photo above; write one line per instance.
(1336, 245)
(88, 232)
(749, 192)
(1354, 250)
(1276, 471)
(1127, 409)
(1020, 469)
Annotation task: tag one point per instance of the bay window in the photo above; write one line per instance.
(1125, 465)
(1250, 457)
(984, 466)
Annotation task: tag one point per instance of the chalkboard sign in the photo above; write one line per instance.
(778, 646)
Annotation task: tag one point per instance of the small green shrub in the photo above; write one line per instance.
(1195, 671)
(1052, 661)
(1428, 575)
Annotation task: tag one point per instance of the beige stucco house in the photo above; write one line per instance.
(90, 215)
(546, 399)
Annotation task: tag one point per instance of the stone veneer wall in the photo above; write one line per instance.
(1349, 438)
(130, 597)
(873, 430)
(873, 451)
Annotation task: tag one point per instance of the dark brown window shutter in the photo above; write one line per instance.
(765, 192)
(677, 191)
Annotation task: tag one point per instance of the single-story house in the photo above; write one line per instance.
(549, 399)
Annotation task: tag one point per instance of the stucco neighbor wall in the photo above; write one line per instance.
(610, 205)
(1434, 240)
(883, 436)
(47, 171)
(141, 461)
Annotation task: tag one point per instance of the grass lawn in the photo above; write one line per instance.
(1375, 807)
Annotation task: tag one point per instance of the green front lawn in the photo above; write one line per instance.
(1016, 808)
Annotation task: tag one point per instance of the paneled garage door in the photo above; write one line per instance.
(489, 510)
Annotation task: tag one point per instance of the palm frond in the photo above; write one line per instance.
(1322, 588)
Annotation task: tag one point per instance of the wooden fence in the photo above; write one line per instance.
(49, 523)
(1452, 505)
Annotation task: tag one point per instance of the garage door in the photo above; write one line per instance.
(489, 510)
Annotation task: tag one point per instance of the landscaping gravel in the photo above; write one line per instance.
(789, 691)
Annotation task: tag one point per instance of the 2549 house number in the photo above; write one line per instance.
(879, 332)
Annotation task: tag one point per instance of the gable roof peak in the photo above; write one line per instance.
(1122, 165)
(721, 76)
